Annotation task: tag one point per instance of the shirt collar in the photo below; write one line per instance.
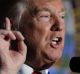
(28, 70)
(44, 71)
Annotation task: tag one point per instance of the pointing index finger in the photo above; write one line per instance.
(7, 23)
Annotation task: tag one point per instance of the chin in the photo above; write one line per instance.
(54, 55)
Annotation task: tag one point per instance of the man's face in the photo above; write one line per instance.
(45, 34)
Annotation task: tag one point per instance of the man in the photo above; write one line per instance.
(34, 34)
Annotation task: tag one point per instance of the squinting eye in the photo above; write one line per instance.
(63, 17)
(44, 18)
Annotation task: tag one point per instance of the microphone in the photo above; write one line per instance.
(75, 64)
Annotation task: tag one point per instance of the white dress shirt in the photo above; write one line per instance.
(28, 70)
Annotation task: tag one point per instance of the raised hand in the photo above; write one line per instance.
(11, 60)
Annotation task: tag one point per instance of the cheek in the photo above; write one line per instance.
(41, 29)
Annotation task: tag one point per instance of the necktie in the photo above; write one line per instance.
(48, 72)
(36, 72)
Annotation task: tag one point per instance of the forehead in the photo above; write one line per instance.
(49, 4)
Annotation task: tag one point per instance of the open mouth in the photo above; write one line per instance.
(56, 41)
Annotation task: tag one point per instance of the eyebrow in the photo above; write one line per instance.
(62, 10)
(47, 9)
(44, 9)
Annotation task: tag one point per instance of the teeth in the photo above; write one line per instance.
(54, 42)
(55, 39)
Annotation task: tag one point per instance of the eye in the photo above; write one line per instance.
(63, 16)
(44, 16)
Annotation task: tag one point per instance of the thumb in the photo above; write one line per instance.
(22, 48)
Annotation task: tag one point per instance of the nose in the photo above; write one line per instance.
(56, 26)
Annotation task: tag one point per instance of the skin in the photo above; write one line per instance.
(8, 56)
(37, 34)
(40, 32)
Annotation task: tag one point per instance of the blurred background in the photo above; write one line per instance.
(72, 37)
